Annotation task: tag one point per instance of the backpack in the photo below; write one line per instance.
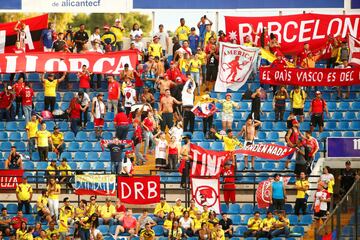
(301, 94)
(323, 103)
(247, 95)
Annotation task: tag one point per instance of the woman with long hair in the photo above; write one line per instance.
(22, 230)
(53, 192)
(204, 233)
(168, 223)
(186, 222)
(37, 230)
(136, 30)
(87, 225)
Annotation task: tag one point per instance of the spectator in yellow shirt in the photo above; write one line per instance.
(282, 226)
(266, 226)
(230, 142)
(53, 191)
(24, 194)
(51, 170)
(50, 86)
(108, 212)
(65, 173)
(202, 58)
(253, 225)
(147, 233)
(155, 48)
(118, 30)
(302, 185)
(209, 33)
(93, 207)
(297, 100)
(182, 32)
(178, 208)
(227, 114)
(20, 232)
(168, 223)
(217, 232)
(70, 214)
(63, 222)
(31, 129)
(195, 66)
(161, 210)
(51, 230)
(192, 209)
(58, 141)
(43, 138)
(197, 222)
(205, 213)
(42, 206)
(310, 60)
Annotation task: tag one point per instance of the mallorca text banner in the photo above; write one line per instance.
(109, 63)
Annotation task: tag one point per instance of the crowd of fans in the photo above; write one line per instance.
(132, 96)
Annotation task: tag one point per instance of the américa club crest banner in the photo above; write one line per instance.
(206, 192)
(292, 31)
(236, 63)
(263, 191)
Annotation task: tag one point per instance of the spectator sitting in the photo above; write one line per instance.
(14, 161)
(178, 208)
(147, 233)
(43, 211)
(5, 221)
(107, 212)
(24, 194)
(17, 220)
(267, 225)
(93, 207)
(192, 209)
(120, 209)
(128, 226)
(226, 225)
(51, 170)
(204, 232)
(253, 225)
(282, 226)
(144, 220)
(197, 223)
(65, 173)
(58, 142)
(21, 231)
(186, 223)
(71, 213)
(6, 100)
(81, 210)
(168, 223)
(128, 164)
(205, 213)
(217, 232)
(161, 210)
(176, 232)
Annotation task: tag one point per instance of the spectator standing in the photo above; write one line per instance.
(118, 30)
(207, 121)
(297, 101)
(69, 38)
(84, 103)
(95, 37)
(310, 60)
(282, 226)
(317, 108)
(136, 30)
(148, 125)
(129, 97)
(343, 53)
(320, 206)
(277, 194)
(46, 37)
(27, 95)
(53, 191)
(42, 140)
(347, 177)
(229, 188)
(31, 130)
(14, 161)
(176, 46)
(301, 165)
(121, 123)
(74, 111)
(193, 40)
(209, 34)
(292, 139)
(327, 179)
(137, 138)
(303, 54)
(182, 32)
(230, 141)
(58, 142)
(24, 195)
(253, 226)
(98, 113)
(202, 28)
(301, 185)
(227, 225)
(114, 91)
(256, 105)
(59, 45)
(280, 103)
(116, 148)
(84, 79)
(267, 225)
(108, 39)
(345, 64)
(50, 85)
(185, 163)
(249, 133)
(173, 153)
(81, 38)
(311, 148)
(6, 100)
(18, 87)
(167, 111)
(227, 111)
(195, 66)
(187, 99)
(161, 146)
(163, 39)
(155, 48)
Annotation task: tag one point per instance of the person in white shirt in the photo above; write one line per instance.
(98, 113)
(320, 206)
(139, 45)
(188, 103)
(95, 37)
(129, 97)
(163, 39)
(160, 150)
(136, 30)
(85, 103)
(128, 163)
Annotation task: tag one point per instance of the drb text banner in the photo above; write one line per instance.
(9, 179)
(292, 31)
(95, 185)
(139, 190)
(310, 77)
(109, 63)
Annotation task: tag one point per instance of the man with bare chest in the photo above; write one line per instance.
(164, 84)
(167, 110)
(248, 131)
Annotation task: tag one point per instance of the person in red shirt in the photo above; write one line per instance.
(228, 173)
(312, 144)
(301, 56)
(74, 112)
(17, 220)
(211, 43)
(121, 122)
(148, 125)
(173, 72)
(18, 87)
(223, 37)
(317, 108)
(113, 94)
(279, 62)
(6, 100)
(292, 138)
(27, 95)
(139, 83)
(128, 226)
(84, 78)
(137, 138)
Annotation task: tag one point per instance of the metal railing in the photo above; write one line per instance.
(343, 222)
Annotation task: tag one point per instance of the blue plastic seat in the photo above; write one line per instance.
(330, 125)
(97, 147)
(355, 105)
(64, 106)
(11, 208)
(344, 106)
(92, 156)
(85, 166)
(3, 136)
(107, 135)
(205, 145)
(355, 125)
(68, 96)
(5, 146)
(337, 116)
(15, 136)
(267, 107)
(42, 165)
(350, 116)
(66, 155)
(159, 231)
(217, 146)
(269, 166)
(73, 165)
(86, 146)
(306, 220)
(239, 232)
(331, 106)
(28, 165)
(247, 209)
(258, 166)
(73, 147)
(336, 134)
(104, 156)
(104, 229)
(69, 136)
(234, 209)
(274, 136)
(279, 126)
(39, 106)
(2, 126)
(348, 134)
(109, 116)
(20, 146)
(39, 96)
(198, 136)
(64, 126)
(81, 137)
(99, 166)
(298, 229)
(343, 125)
(80, 156)
(50, 125)
(267, 126)
(224, 208)
(11, 126)
(293, 219)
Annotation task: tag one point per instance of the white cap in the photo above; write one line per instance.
(117, 20)
(9, 88)
(178, 199)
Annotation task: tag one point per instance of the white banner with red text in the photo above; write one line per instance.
(109, 63)
(263, 191)
(236, 63)
(206, 192)
(95, 185)
(292, 31)
(354, 46)
(9, 179)
(209, 162)
(310, 77)
(32, 29)
(139, 190)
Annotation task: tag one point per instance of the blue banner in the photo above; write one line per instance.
(10, 4)
(341, 147)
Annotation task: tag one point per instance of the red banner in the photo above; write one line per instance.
(109, 63)
(292, 31)
(310, 77)
(267, 151)
(139, 190)
(263, 191)
(33, 29)
(9, 179)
